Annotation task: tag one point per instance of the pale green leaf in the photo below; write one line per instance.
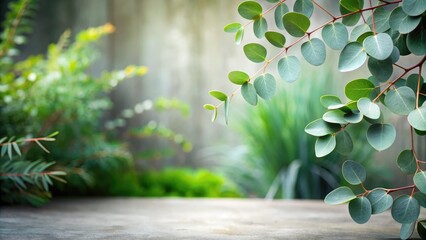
(279, 13)
(353, 172)
(260, 26)
(249, 93)
(352, 57)
(232, 27)
(339, 195)
(325, 145)
(405, 209)
(406, 230)
(401, 100)
(420, 181)
(368, 108)
(239, 36)
(320, 128)
(335, 35)
(407, 162)
(334, 116)
(276, 39)
(209, 107)
(417, 118)
(305, 7)
(381, 136)
(380, 200)
(379, 46)
(314, 51)
(218, 95)
(289, 68)
(414, 7)
(359, 88)
(265, 86)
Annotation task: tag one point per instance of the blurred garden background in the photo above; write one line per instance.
(124, 82)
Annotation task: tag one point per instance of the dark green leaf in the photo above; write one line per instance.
(249, 93)
(350, 20)
(351, 5)
(344, 144)
(314, 51)
(16, 148)
(265, 86)
(405, 209)
(352, 57)
(353, 117)
(381, 69)
(379, 46)
(380, 200)
(219, 95)
(401, 22)
(238, 77)
(420, 181)
(339, 195)
(358, 31)
(421, 198)
(401, 100)
(368, 108)
(260, 26)
(250, 10)
(417, 118)
(421, 229)
(276, 39)
(325, 145)
(414, 7)
(353, 172)
(360, 210)
(232, 27)
(279, 13)
(296, 24)
(400, 41)
(320, 128)
(255, 52)
(289, 68)
(335, 35)
(359, 88)
(381, 136)
(416, 40)
(406, 162)
(413, 81)
(305, 7)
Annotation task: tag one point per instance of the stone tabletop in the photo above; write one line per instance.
(176, 218)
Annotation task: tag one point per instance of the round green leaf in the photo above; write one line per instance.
(239, 36)
(334, 116)
(330, 101)
(232, 27)
(358, 31)
(325, 145)
(314, 51)
(406, 162)
(421, 229)
(380, 200)
(353, 172)
(381, 136)
(249, 93)
(238, 77)
(400, 41)
(276, 39)
(351, 5)
(255, 52)
(305, 7)
(421, 198)
(289, 68)
(401, 100)
(209, 107)
(265, 85)
(401, 22)
(359, 88)
(407, 230)
(379, 46)
(394, 57)
(368, 108)
(414, 7)
(218, 95)
(320, 128)
(360, 210)
(417, 118)
(335, 35)
(296, 24)
(339, 195)
(344, 144)
(416, 40)
(420, 181)
(279, 13)
(352, 57)
(381, 19)
(381, 69)
(250, 10)
(353, 117)
(260, 26)
(413, 81)
(405, 209)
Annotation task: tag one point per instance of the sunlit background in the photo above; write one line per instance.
(127, 99)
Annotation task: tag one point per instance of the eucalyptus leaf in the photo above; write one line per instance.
(381, 69)
(380, 200)
(320, 128)
(421, 198)
(358, 31)
(344, 143)
(379, 46)
(335, 35)
(249, 93)
(276, 39)
(381, 20)
(417, 118)
(400, 41)
(368, 108)
(402, 22)
(360, 210)
(405, 209)
(334, 116)
(381, 136)
(232, 27)
(218, 95)
(353, 172)
(279, 13)
(339, 195)
(353, 117)
(209, 107)
(416, 40)
(407, 230)
(359, 88)
(352, 57)
(289, 68)
(330, 100)
(325, 145)
(413, 81)
(238, 77)
(407, 162)
(414, 7)
(255, 52)
(260, 26)
(421, 229)
(305, 7)
(296, 24)
(265, 85)
(250, 10)
(239, 36)
(401, 100)
(314, 51)
(420, 181)
(226, 109)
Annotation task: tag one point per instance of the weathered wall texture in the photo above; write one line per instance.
(181, 41)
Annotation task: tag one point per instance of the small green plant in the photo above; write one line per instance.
(379, 32)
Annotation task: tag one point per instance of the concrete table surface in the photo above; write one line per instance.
(176, 218)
